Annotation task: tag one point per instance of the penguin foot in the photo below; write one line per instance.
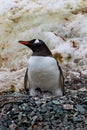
(47, 94)
(33, 92)
(58, 92)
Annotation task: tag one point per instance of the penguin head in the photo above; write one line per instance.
(37, 46)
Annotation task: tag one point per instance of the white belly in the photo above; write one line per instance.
(43, 72)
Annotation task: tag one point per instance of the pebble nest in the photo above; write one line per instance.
(19, 111)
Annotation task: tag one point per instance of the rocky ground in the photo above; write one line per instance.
(19, 111)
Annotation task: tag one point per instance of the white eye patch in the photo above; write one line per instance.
(36, 41)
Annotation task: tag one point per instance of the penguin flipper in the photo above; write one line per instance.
(26, 81)
(61, 79)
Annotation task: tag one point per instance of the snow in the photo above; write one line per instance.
(62, 24)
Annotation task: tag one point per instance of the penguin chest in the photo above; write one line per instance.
(43, 72)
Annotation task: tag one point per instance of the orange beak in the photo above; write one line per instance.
(23, 42)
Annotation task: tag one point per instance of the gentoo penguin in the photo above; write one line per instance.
(43, 70)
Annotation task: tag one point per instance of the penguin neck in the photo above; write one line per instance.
(42, 53)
